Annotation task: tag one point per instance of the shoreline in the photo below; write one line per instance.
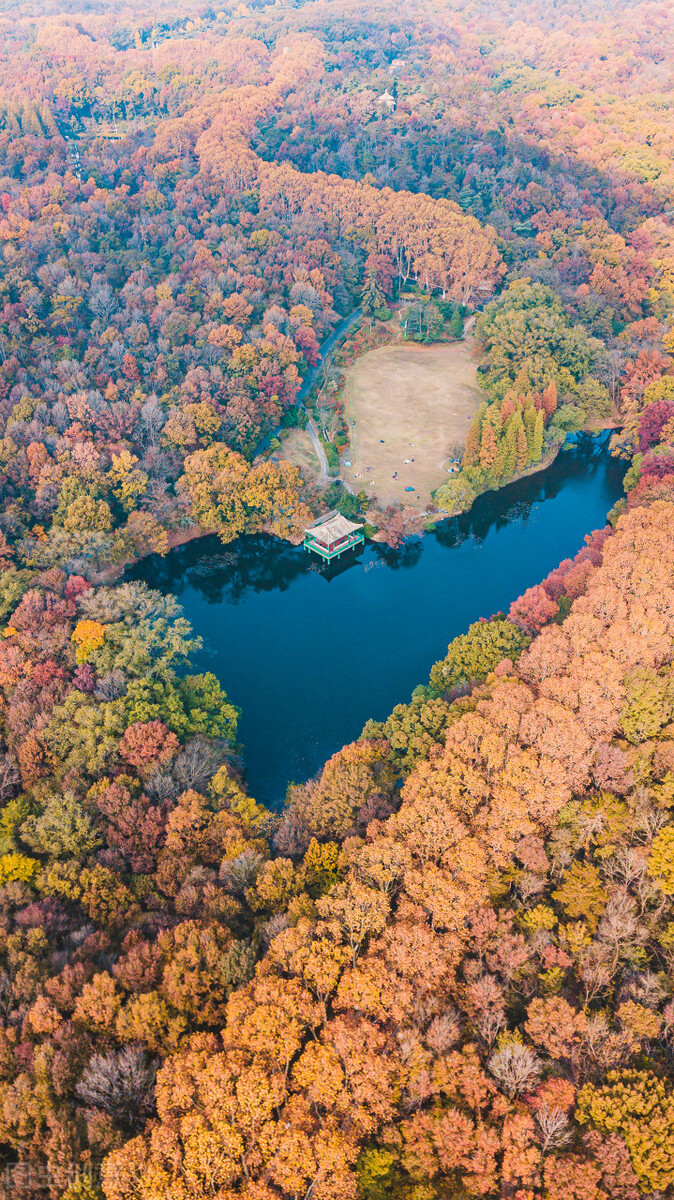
(430, 520)
(115, 572)
(542, 465)
(421, 521)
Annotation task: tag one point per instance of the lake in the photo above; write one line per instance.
(310, 652)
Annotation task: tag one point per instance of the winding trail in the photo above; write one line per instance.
(309, 381)
(326, 346)
(316, 443)
(468, 325)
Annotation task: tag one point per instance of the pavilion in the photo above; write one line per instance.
(331, 535)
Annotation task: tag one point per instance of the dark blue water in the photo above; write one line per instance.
(309, 652)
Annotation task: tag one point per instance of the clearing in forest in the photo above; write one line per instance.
(408, 402)
(297, 449)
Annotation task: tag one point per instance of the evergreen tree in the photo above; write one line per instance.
(47, 120)
(373, 299)
(492, 417)
(522, 449)
(456, 324)
(510, 450)
(529, 425)
(433, 322)
(550, 398)
(537, 446)
(498, 470)
(414, 321)
(507, 407)
(488, 449)
(471, 454)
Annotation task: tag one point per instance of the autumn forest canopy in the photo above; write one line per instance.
(445, 970)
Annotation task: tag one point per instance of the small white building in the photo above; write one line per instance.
(387, 99)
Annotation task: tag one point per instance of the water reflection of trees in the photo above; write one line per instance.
(261, 563)
(255, 563)
(404, 556)
(515, 502)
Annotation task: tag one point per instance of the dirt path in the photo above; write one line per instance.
(316, 442)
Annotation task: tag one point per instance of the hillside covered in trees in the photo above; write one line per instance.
(446, 969)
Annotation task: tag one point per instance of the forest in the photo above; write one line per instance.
(445, 970)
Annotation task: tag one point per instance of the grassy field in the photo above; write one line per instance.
(297, 449)
(408, 402)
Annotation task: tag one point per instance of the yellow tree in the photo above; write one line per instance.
(213, 485)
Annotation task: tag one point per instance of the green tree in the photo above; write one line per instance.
(63, 829)
(207, 708)
(537, 441)
(375, 1173)
(529, 428)
(373, 299)
(433, 322)
(471, 454)
(521, 447)
(526, 332)
(510, 450)
(582, 893)
(456, 324)
(194, 705)
(13, 585)
(83, 1189)
(457, 494)
(145, 632)
(472, 655)
(412, 729)
(12, 817)
(661, 860)
(83, 735)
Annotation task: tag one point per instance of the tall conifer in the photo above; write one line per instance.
(537, 447)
